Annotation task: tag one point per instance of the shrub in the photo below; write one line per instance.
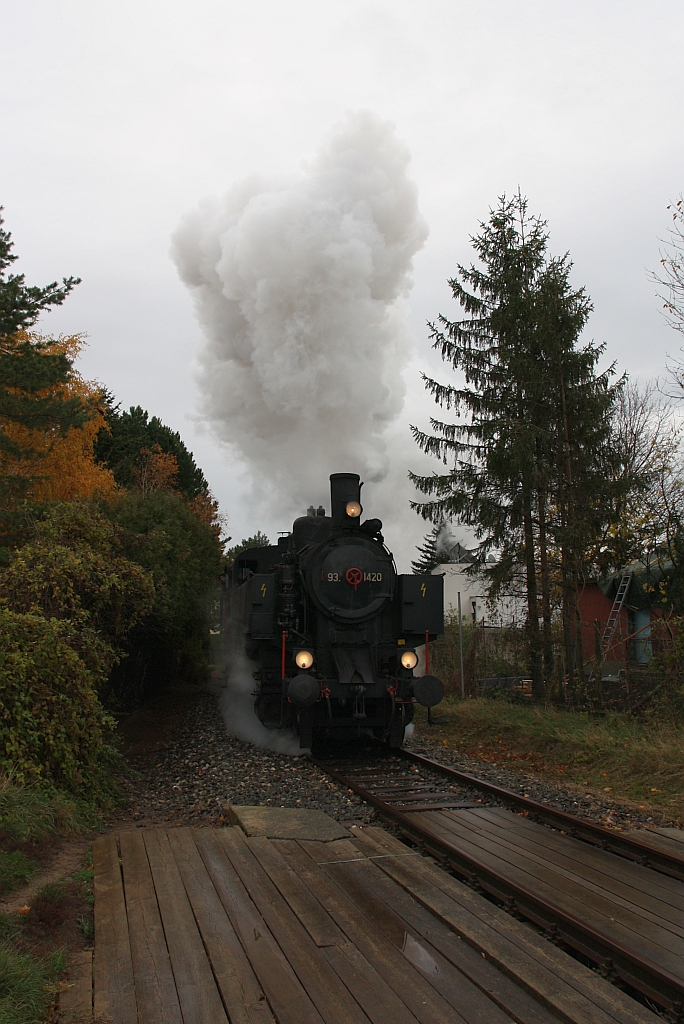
(667, 698)
(68, 598)
(52, 725)
(180, 549)
(72, 569)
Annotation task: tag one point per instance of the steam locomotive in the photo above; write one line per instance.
(332, 628)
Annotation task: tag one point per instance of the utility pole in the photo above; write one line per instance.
(460, 643)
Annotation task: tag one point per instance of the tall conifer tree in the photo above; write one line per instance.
(532, 416)
(428, 558)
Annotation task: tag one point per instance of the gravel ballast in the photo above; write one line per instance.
(573, 799)
(200, 771)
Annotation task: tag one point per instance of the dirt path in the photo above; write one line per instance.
(69, 856)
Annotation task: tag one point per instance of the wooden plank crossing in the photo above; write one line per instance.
(625, 903)
(212, 925)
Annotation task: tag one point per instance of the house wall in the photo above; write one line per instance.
(474, 604)
(593, 605)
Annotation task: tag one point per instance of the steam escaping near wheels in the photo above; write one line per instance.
(298, 285)
(236, 700)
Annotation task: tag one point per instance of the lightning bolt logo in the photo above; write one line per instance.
(263, 590)
(422, 589)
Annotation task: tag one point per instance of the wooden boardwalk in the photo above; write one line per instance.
(205, 926)
(628, 906)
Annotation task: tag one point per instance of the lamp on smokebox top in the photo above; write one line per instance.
(304, 659)
(409, 659)
(353, 509)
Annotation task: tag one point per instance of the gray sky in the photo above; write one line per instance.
(118, 118)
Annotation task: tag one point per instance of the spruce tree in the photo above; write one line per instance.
(532, 416)
(429, 558)
(577, 489)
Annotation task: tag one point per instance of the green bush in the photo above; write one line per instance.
(181, 550)
(68, 599)
(72, 569)
(52, 725)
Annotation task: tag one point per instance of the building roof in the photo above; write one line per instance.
(645, 590)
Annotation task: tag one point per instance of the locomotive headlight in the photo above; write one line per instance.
(304, 659)
(409, 659)
(353, 509)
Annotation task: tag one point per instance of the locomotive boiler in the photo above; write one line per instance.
(332, 628)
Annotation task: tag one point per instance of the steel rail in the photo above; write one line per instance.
(579, 828)
(615, 960)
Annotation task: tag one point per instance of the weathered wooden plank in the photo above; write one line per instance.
(76, 1001)
(302, 901)
(197, 993)
(664, 840)
(155, 988)
(562, 984)
(243, 996)
(505, 992)
(414, 990)
(660, 896)
(372, 992)
(606, 916)
(113, 989)
(380, 1002)
(324, 988)
(287, 997)
(356, 879)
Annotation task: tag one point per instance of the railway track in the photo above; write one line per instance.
(640, 849)
(615, 898)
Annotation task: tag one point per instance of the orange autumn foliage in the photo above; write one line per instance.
(62, 468)
(156, 470)
(206, 508)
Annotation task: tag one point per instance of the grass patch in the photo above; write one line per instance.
(27, 984)
(622, 757)
(31, 817)
(15, 870)
(34, 946)
(32, 813)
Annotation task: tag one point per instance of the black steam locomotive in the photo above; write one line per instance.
(333, 628)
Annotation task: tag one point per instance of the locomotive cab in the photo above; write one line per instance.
(333, 628)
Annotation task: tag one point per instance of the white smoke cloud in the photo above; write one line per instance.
(298, 285)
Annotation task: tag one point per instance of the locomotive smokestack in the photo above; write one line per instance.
(345, 491)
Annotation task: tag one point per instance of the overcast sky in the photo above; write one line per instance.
(117, 118)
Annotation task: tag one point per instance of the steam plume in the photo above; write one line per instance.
(237, 707)
(298, 286)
